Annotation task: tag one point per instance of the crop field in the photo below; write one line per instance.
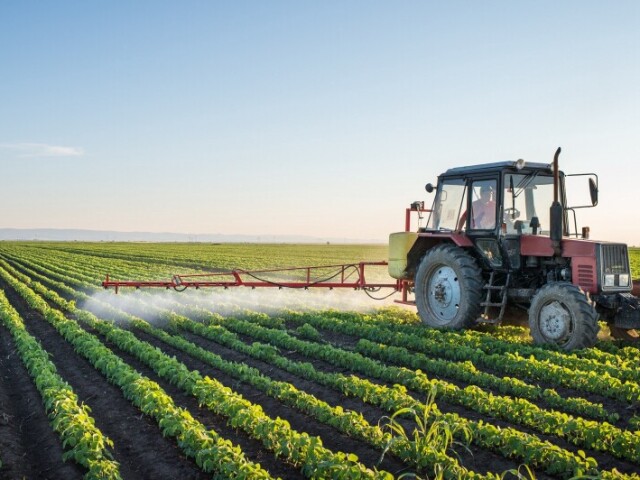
(270, 383)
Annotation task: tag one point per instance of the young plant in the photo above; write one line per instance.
(523, 472)
(433, 434)
(307, 332)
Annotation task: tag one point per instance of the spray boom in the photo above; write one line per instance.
(326, 276)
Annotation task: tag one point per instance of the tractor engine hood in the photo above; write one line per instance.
(596, 267)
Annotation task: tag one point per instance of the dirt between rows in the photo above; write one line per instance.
(30, 449)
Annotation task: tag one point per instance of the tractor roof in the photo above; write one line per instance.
(498, 167)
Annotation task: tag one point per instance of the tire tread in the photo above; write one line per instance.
(469, 270)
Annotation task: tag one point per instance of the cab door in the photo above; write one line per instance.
(482, 216)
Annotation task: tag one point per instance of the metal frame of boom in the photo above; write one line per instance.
(340, 277)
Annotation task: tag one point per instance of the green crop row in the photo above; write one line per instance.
(349, 422)
(595, 362)
(299, 449)
(466, 371)
(511, 363)
(81, 439)
(211, 452)
(509, 442)
(590, 434)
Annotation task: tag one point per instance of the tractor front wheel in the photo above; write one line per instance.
(448, 288)
(562, 315)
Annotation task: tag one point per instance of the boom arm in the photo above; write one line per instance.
(341, 276)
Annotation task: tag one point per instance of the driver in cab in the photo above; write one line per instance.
(483, 211)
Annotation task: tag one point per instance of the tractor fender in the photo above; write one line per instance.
(426, 241)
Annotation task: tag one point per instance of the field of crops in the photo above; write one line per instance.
(277, 383)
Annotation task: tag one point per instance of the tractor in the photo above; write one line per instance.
(499, 235)
(502, 235)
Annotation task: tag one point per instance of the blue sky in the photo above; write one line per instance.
(299, 117)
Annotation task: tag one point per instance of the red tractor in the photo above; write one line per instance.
(498, 235)
(502, 234)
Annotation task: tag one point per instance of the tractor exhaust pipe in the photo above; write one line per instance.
(556, 213)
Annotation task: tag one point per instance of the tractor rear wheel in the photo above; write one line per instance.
(561, 314)
(448, 288)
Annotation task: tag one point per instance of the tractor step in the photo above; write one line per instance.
(488, 303)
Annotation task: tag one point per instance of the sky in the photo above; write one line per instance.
(305, 118)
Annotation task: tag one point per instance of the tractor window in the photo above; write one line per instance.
(450, 199)
(483, 205)
(531, 197)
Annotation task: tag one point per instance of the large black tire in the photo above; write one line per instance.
(561, 314)
(448, 288)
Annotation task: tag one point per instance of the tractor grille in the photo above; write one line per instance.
(586, 277)
(614, 260)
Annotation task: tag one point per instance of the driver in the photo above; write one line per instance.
(483, 210)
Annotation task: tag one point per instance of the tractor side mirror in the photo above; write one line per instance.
(593, 191)
(429, 188)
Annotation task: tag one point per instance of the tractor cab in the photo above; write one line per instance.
(499, 199)
(493, 206)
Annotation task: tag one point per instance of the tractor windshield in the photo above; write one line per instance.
(450, 198)
(526, 197)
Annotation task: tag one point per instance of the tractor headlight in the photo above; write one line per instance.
(623, 279)
(609, 280)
